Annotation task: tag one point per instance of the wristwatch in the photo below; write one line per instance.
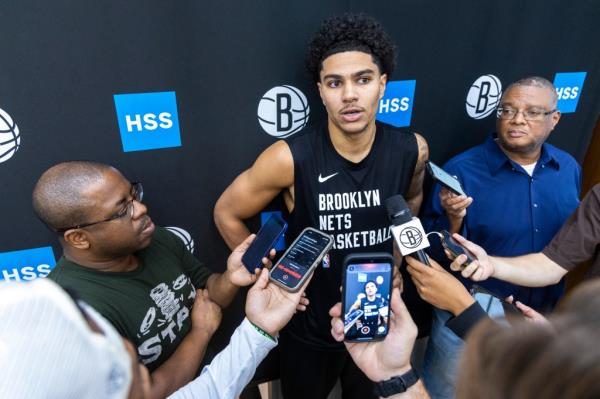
(396, 384)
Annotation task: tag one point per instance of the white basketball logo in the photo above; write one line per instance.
(10, 139)
(283, 111)
(183, 236)
(484, 96)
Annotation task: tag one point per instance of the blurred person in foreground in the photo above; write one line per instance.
(55, 346)
(555, 359)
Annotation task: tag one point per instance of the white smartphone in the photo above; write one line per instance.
(300, 259)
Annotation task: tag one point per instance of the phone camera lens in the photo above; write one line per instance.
(351, 268)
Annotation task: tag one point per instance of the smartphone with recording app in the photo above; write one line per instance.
(454, 248)
(445, 179)
(487, 303)
(366, 295)
(300, 259)
(265, 240)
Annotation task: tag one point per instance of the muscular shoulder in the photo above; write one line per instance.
(275, 164)
(423, 148)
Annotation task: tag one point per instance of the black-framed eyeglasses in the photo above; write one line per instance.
(506, 113)
(137, 194)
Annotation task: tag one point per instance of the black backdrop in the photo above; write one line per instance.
(62, 61)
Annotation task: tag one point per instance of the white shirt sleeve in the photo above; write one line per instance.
(231, 370)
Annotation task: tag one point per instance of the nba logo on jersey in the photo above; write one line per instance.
(484, 96)
(325, 262)
(283, 111)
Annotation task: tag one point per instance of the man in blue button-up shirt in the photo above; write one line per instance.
(521, 190)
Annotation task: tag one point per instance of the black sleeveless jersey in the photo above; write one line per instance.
(347, 200)
(370, 316)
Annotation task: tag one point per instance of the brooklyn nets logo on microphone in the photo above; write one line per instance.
(10, 139)
(411, 237)
(484, 96)
(283, 111)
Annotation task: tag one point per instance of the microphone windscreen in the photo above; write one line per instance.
(398, 210)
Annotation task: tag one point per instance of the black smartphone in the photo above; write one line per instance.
(455, 248)
(366, 295)
(264, 241)
(488, 305)
(300, 259)
(445, 179)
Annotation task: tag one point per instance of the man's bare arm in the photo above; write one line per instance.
(533, 270)
(221, 290)
(182, 365)
(414, 196)
(251, 191)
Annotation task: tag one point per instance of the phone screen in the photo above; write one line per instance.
(298, 259)
(492, 303)
(367, 289)
(265, 239)
(445, 178)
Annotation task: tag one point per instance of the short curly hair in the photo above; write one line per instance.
(350, 32)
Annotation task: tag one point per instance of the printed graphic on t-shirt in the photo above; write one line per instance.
(335, 216)
(163, 322)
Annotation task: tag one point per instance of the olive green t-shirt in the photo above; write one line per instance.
(150, 306)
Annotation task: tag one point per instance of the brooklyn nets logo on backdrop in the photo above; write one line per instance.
(283, 111)
(484, 96)
(10, 139)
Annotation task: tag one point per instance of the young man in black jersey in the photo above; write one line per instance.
(333, 177)
(374, 308)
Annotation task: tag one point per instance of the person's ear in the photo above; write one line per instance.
(77, 238)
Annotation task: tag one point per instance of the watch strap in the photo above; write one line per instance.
(396, 384)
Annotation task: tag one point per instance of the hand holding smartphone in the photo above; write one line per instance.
(445, 179)
(264, 241)
(366, 292)
(300, 259)
(454, 248)
(507, 307)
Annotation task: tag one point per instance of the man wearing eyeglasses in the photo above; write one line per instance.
(520, 192)
(137, 275)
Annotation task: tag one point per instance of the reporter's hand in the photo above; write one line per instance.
(271, 307)
(455, 206)
(480, 269)
(206, 315)
(236, 271)
(529, 313)
(438, 287)
(397, 279)
(381, 360)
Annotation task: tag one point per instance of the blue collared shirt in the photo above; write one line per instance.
(512, 213)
